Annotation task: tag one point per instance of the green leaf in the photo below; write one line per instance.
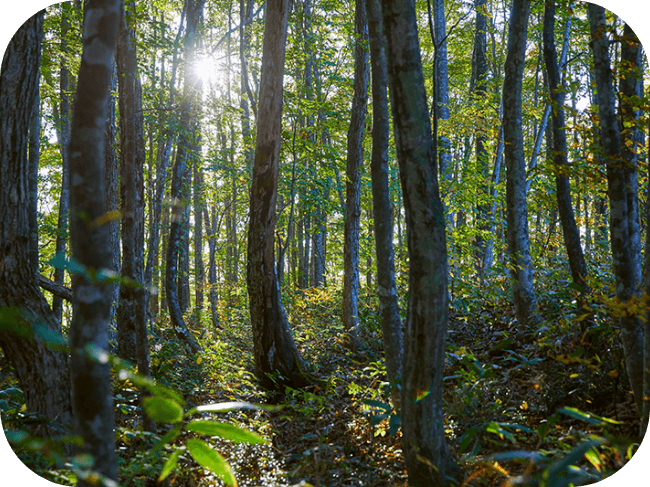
(588, 417)
(224, 407)
(378, 404)
(394, 423)
(170, 436)
(210, 459)
(170, 465)
(163, 410)
(226, 431)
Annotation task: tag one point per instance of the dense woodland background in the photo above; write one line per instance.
(288, 280)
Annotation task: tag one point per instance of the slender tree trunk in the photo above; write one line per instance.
(110, 184)
(199, 271)
(442, 88)
(183, 280)
(353, 179)
(523, 288)
(277, 360)
(624, 262)
(90, 374)
(482, 155)
(132, 341)
(211, 230)
(562, 183)
(391, 322)
(194, 9)
(428, 459)
(63, 135)
(43, 372)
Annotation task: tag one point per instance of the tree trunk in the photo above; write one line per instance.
(183, 279)
(63, 134)
(523, 288)
(43, 372)
(90, 374)
(559, 148)
(131, 190)
(32, 177)
(194, 9)
(211, 230)
(199, 271)
(427, 456)
(391, 323)
(110, 185)
(132, 341)
(277, 360)
(482, 154)
(353, 179)
(624, 262)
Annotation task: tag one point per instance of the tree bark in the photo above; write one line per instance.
(353, 179)
(89, 234)
(63, 134)
(523, 288)
(194, 9)
(624, 261)
(132, 341)
(559, 148)
(43, 372)
(391, 322)
(482, 155)
(32, 176)
(131, 190)
(427, 456)
(199, 271)
(277, 360)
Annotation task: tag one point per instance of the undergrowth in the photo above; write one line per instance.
(521, 406)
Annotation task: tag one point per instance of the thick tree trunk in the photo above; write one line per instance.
(559, 149)
(90, 374)
(43, 372)
(183, 279)
(427, 456)
(391, 323)
(353, 179)
(277, 360)
(625, 263)
(32, 177)
(523, 288)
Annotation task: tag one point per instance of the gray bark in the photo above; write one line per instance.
(90, 375)
(391, 322)
(132, 341)
(277, 360)
(624, 262)
(482, 155)
(523, 288)
(43, 372)
(559, 151)
(199, 271)
(32, 177)
(423, 440)
(353, 179)
(63, 135)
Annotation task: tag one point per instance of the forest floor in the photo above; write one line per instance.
(534, 397)
(517, 402)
